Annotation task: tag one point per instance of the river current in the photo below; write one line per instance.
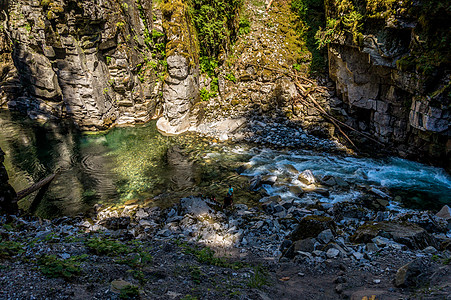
(137, 164)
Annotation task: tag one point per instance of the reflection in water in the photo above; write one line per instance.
(34, 151)
(139, 163)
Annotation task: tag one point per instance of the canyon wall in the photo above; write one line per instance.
(95, 62)
(392, 74)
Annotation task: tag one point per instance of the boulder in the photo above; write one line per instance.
(296, 190)
(255, 183)
(407, 234)
(311, 226)
(194, 206)
(411, 274)
(307, 177)
(305, 245)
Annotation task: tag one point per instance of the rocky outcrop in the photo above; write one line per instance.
(390, 83)
(8, 203)
(181, 85)
(90, 61)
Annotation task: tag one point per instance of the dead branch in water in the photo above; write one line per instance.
(38, 185)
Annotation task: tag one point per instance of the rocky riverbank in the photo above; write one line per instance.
(197, 250)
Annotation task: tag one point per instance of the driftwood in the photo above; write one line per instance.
(35, 187)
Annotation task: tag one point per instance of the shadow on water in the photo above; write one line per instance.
(132, 163)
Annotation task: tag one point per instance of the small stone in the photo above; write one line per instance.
(118, 285)
(358, 255)
(377, 281)
(325, 236)
(430, 250)
(332, 253)
(339, 288)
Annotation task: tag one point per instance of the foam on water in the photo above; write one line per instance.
(392, 173)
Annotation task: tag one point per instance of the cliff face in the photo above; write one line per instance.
(391, 65)
(92, 61)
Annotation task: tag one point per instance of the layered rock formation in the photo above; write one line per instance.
(90, 61)
(181, 85)
(392, 75)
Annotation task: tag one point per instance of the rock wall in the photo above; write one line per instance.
(407, 108)
(91, 61)
(7, 193)
(181, 84)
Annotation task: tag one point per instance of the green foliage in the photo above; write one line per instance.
(196, 274)
(10, 248)
(206, 95)
(207, 256)
(259, 278)
(129, 292)
(28, 27)
(102, 246)
(54, 267)
(244, 25)
(208, 65)
(189, 297)
(107, 60)
(216, 24)
(297, 67)
(45, 3)
(230, 77)
(311, 18)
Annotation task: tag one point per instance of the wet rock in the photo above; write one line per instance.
(410, 235)
(296, 190)
(328, 180)
(269, 179)
(255, 183)
(307, 177)
(243, 168)
(444, 213)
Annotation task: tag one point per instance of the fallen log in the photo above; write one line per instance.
(38, 185)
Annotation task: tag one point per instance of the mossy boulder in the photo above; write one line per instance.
(407, 234)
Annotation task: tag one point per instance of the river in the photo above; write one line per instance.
(137, 164)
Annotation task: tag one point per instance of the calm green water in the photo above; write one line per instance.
(137, 163)
(132, 163)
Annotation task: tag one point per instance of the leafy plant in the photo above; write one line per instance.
(208, 65)
(259, 278)
(206, 95)
(129, 292)
(231, 77)
(10, 248)
(215, 22)
(101, 246)
(53, 267)
(244, 26)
